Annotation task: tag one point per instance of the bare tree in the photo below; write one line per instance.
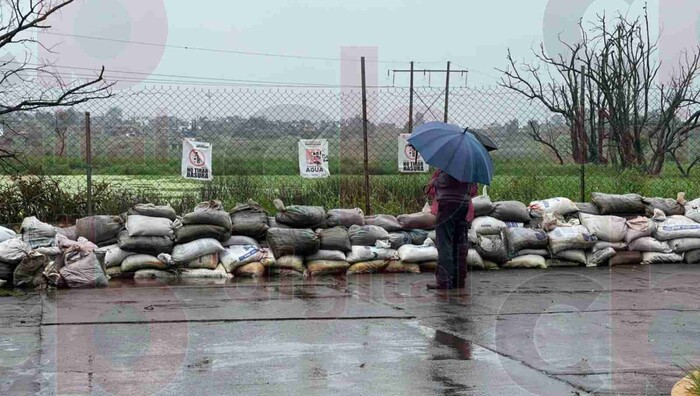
(548, 138)
(621, 94)
(24, 82)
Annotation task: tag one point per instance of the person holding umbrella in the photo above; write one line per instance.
(463, 162)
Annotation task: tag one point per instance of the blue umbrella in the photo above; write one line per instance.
(454, 150)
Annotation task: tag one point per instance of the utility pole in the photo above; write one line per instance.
(368, 207)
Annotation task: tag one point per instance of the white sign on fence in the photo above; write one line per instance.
(196, 160)
(313, 159)
(410, 161)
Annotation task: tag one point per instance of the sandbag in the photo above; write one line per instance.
(418, 237)
(300, 216)
(605, 228)
(84, 271)
(417, 221)
(649, 244)
(153, 245)
(206, 262)
(571, 238)
(399, 267)
(151, 210)
(474, 260)
(512, 211)
(272, 223)
(626, 258)
(692, 210)
(610, 204)
(219, 272)
(368, 267)
(677, 227)
(560, 263)
(684, 245)
(236, 256)
(6, 233)
(588, 208)
(482, 205)
(335, 238)
(366, 235)
(49, 252)
(428, 267)
(7, 271)
(289, 242)
(488, 226)
(574, 256)
(661, 258)
(37, 234)
(142, 261)
(639, 227)
(492, 248)
(137, 225)
(268, 257)
(295, 263)
(325, 267)
(527, 262)
(30, 271)
(151, 274)
(13, 251)
(537, 252)
(617, 246)
(189, 233)
(369, 253)
(251, 270)
(187, 252)
(112, 256)
(328, 255)
(669, 206)
(400, 238)
(116, 273)
(417, 254)
(518, 239)
(345, 217)
(208, 213)
(98, 229)
(561, 206)
(600, 257)
(387, 222)
(237, 240)
(692, 257)
(249, 219)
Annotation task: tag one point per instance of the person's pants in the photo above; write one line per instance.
(452, 244)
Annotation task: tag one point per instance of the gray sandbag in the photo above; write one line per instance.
(487, 225)
(511, 211)
(142, 261)
(669, 206)
(677, 227)
(649, 245)
(692, 257)
(492, 248)
(249, 219)
(290, 242)
(187, 252)
(192, 232)
(605, 228)
(367, 235)
(13, 251)
(616, 246)
(588, 208)
(692, 210)
(661, 258)
(537, 252)
(573, 256)
(50, 252)
(30, 271)
(151, 210)
(571, 238)
(138, 225)
(639, 227)
(206, 262)
(561, 206)
(359, 254)
(152, 274)
(237, 256)
(559, 263)
(417, 221)
(600, 257)
(345, 217)
(610, 204)
(328, 255)
(418, 237)
(153, 245)
(272, 223)
(208, 213)
(113, 256)
(237, 240)
(518, 239)
(83, 271)
(482, 205)
(297, 216)
(98, 229)
(6, 233)
(684, 245)
(626, 258)
(335, 238)
(37, 234)
(526, 262)
(398, 239)
(68, 232)
(417, 254)
(387, 222)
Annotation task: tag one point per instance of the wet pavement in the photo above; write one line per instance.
(625, 330)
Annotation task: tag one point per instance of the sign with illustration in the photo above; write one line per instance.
(313, 159)
(196, 160)
(410, 161)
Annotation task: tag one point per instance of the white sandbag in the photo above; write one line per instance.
(617, 246)
(138, 225)
(417, 254)
(527, 262)
(146, 274)
(239, 255)
(360, 254)
(649, 245)
(488, 226)
(238, 240)
(6, 233)
(677, 227)
(474, 260)
(571, 238)
(83, 270)
(218, 273)
(605, 228)
(639, 227)
(562, 206)
(328, 255)
(13, 251)
(189, 251)
(574, 256)
(692, 210)
(661, 258)
(37, 234)
(537, 252)
(684, 245)
(600, 257)
(112, 255)
(142, 261)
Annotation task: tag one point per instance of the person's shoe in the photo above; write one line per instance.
(436, 286)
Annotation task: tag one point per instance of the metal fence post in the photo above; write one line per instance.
(368, 208)
(410, 104)
(447, 91)
(583, 134)
(88, 161)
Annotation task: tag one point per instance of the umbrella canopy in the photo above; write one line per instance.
(485, 140)
(453, 150)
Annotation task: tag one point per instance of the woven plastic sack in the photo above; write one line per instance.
(399, 267)
(562, 206)
(492, 248)
(527, 262)
(387, 222)
(251, 270)
(329, 255)
(668, 206)
(574, 256)
(236, 256)
(488, 226)
(325, 267)
(474, 260)
(400, 238)
(98, 229)
(151, 274)
(182, 254)
(37, 234)
(692, 257)
(482, 205)
(418, 237)
(639, 227)
(300, 216)
(345, 217)
(649, 245)
(192, 232)
(512, 211)
(676, 227)
(142, 261)
(218, 272)
(588, 208)
(138, 225)
(683, 245)
(525, 238)
(295, 263)
(151, 210)
(6, 233)
(249, 219)
(153, 245)
(423, 220)
(289, 242)
(368, 267)
(661, 258)
(207, 262)
(417, 254)
(600, 257)
(237, 240)
(626, 258)
(537, 252)
(571, 238)
(13, 251)
(369, 253)
(366, 235)
(209, 213)
(610, 204)
(112, 255)
(692, 210)
(617, 246)
(84, 271)
(605, 228)
(335, 238)
(30, 271)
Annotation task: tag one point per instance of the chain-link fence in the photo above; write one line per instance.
(136, 144)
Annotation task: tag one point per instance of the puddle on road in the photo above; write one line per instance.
(459, 348)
